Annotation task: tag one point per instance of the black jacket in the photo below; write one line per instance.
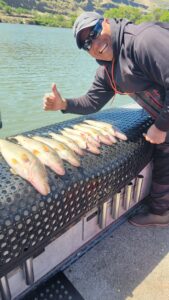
(141, 68)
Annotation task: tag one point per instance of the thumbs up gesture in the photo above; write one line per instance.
(54, 101)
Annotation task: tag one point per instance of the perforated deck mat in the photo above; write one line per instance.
(56, 288)
(29, 221)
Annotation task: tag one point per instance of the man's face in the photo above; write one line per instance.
(101, 46)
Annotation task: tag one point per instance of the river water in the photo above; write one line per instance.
(31, 58)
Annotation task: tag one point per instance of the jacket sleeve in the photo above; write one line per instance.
(97, 96)
(152, 56)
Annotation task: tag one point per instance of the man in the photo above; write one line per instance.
(134, 60)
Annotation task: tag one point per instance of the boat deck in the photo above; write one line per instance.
(131, 264)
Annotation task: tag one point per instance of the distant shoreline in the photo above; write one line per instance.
(24, 19)
(31, 20)
(137, 16)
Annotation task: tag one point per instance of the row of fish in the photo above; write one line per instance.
(27, 159)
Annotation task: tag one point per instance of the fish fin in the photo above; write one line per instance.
(13, 171)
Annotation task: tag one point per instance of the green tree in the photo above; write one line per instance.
(124, 11)
(8, 10)
(165, 16)
(145, 18)
(157, 13)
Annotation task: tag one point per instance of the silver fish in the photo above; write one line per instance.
(105, 132)
(26, 165)
(68, 141)
(94, 132)
(88, 137)
(45, 153)
(75, 137)
(100, 124)
(63, 150)
(84, 141)
(108, 127)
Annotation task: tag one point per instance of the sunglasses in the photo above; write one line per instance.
(94, 33)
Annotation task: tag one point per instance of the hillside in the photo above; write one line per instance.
(73, 6)
(67, 6)
(61, 11)
(164, 4)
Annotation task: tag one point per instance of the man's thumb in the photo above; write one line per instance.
(54, 90)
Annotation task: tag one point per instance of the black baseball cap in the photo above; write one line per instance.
(85, 20)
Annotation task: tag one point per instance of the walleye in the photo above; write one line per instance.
(94, 132)
(87, 135)
(82, 139)
(68, 141)
(100, 124)
(108, 127)
(45, 153)
(75, 137)
(62, 150)
(84, 135)
(104, 132)
(26, 165)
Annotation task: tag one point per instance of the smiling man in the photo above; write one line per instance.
(134, 60)
(98, 41)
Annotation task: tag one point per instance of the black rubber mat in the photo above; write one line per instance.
(29, 221)
(57, 287)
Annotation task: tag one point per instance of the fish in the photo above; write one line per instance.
(26, 165)
(100, 124)
(45, 153)
(94, 137)
(108, 127)
(86, 135)
(84, 141)
(68, 141)
(62, 150)
(94, 132)
(105, 132)
(75, 137)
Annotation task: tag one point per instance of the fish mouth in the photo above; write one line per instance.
(103, 49)
(60, 171)
(43, 187)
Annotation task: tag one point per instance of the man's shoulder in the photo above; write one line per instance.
(139, 29)
(147, 35)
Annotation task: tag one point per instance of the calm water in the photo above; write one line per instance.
(31, 58)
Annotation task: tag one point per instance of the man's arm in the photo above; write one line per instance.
(97, 96)
(153, 57)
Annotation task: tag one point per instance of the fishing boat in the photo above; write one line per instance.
(41, 236)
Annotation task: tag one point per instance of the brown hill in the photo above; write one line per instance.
(67, 6)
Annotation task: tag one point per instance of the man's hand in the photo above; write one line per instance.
(155, 135)
(54, 101)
